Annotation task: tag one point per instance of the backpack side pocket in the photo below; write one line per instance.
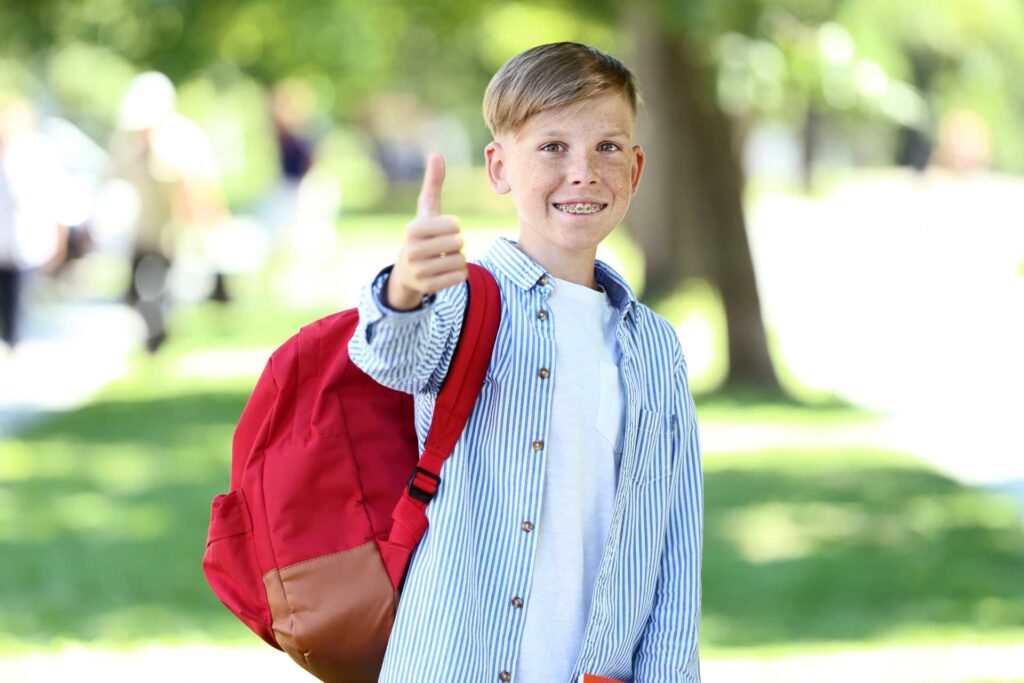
(230, 564)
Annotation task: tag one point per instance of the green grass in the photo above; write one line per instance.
(104, 509)
(752, 405)
(853, 545)
(103, 516)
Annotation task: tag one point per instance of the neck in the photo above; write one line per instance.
(575, 267)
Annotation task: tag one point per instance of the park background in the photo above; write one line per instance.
(830, 217)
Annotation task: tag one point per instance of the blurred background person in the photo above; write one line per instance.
(965, 142)
(167, 160)
(302, 205)
(290, 110)
(31, 236)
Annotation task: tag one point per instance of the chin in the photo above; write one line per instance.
(583, 235)
(578, 240)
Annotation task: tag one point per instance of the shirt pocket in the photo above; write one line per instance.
(609, 405)
(654, 456)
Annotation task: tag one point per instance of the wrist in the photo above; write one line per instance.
(399, 297)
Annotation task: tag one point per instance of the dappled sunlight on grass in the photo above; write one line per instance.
(209, 327)
(105, 508)
(773, 532)
(757, 406)
(89, 512)
(118, 470)
(111, 504)
(853, 546)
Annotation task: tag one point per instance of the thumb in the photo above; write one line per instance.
(429, 202)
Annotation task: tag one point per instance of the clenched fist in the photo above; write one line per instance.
(431, 258)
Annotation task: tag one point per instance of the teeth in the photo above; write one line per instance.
(579, 207)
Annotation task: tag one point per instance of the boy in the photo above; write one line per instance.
(565, 537)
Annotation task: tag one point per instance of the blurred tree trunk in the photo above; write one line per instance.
(811, 140)
(688, 216)
(914, 148)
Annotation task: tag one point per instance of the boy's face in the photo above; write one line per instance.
(571, 172)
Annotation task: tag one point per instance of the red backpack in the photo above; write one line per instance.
(327, 498)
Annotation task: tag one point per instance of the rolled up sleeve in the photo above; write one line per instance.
(409, 351)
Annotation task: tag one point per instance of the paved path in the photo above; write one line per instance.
(905, 294)
(70, 351)
(953, 448)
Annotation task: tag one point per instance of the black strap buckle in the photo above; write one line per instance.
(418, 493)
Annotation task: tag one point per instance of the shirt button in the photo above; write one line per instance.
(543, 373)
(542, 314)
(504, 677)
(527, 526)
(517, 602)
(538, 445)
(543, 279)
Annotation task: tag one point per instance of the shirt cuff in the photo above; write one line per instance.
(379, 295)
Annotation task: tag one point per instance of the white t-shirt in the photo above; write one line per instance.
(581, 473)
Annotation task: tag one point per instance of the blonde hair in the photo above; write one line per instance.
(549, 76)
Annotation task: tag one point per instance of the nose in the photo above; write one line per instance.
(582, 169)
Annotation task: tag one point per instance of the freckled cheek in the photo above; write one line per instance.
(617, 175)
(527, 171)
(541, 179)
(620, 184)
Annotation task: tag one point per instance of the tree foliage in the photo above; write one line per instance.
(849, 56)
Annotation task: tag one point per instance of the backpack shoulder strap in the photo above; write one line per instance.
(469, 364)
(453, 406)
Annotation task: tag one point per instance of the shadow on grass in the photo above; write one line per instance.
(828, 546)
(738, 396)
(109, 508)
(164, 422)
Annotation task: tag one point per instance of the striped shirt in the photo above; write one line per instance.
(462, 609)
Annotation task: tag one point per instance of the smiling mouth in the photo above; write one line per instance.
(580, 208)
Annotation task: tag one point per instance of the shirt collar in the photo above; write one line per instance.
(524, 272)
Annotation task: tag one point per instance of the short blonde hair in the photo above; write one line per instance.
(549, 76)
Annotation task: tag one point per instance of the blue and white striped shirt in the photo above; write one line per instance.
(457, 620)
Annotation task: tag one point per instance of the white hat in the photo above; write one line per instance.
(147, 102)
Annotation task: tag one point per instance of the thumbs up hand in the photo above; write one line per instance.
(431, 258)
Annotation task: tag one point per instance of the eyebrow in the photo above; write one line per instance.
(608, 133)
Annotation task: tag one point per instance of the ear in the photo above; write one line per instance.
(497, 173)
(637, 167)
